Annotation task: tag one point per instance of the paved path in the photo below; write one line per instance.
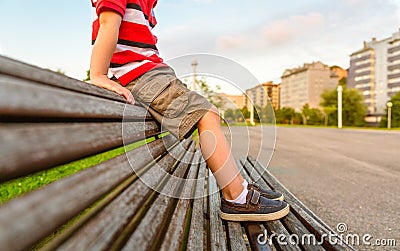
(344, 176)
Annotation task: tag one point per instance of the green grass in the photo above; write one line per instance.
(17, 187)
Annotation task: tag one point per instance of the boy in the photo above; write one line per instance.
(124, 46)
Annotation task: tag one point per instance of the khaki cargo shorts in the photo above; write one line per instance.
(169, 101)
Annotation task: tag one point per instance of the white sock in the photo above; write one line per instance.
(241, 199)
(245, 184)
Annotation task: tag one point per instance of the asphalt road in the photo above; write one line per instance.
(343, 175)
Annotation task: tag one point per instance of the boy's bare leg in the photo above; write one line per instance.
(217, 153)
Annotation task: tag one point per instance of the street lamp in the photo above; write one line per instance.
(340, 91)
(389, 119)
(194, 66)
(252, 114)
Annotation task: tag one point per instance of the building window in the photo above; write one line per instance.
(359, 78)
(360, 86)
(363, 70)
(362, 62)
(394, 80)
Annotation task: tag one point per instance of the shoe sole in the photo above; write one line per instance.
(256, 217)
(280, 198)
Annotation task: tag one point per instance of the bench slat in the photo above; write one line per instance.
(235, 236)
(50, 102)
(178, 225)
(217, 238)
(253, 229)
(276, 227)
(152, 228)
(101, 232)
(22, 70)
(196, 232)
(48, 145)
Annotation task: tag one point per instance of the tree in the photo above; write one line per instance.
(312, 116)
(59, 71)
(327, 112)
(268, 114)
(257, 111)
(343, 82)
(354, 110)
(87, 76)
(233, 115)
(297, 119)
(395, 112)
(245, 112)
(209, 93)
(285, 115)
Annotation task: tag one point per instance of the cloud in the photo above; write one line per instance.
(286, 30)
(274, 34)
(228, 42)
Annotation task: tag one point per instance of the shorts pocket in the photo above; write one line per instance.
(172, 101)
(147, 92)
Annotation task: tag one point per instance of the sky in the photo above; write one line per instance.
(264, 37)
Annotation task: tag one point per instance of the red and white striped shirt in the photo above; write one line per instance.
(136, 51)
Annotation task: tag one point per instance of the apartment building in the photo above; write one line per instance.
(262, 93)
(375, 72)
(305, 84)
(339, 71)
(230, 101)
(394, 65)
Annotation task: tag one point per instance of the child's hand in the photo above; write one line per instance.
(104, 82)
(103, 50)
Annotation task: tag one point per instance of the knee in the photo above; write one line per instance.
(211, 117)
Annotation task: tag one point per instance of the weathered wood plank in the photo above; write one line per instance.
(175, 235)
(217, 237)
(27, 219)
(48, 145)
(235, 236)
(100, 232)
(315, 225)
(275, 228)
(196, 232)
(152, 227)
(22, 70)
(253, 229)
(51, 102)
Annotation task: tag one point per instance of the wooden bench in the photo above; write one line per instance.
(48, 120)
